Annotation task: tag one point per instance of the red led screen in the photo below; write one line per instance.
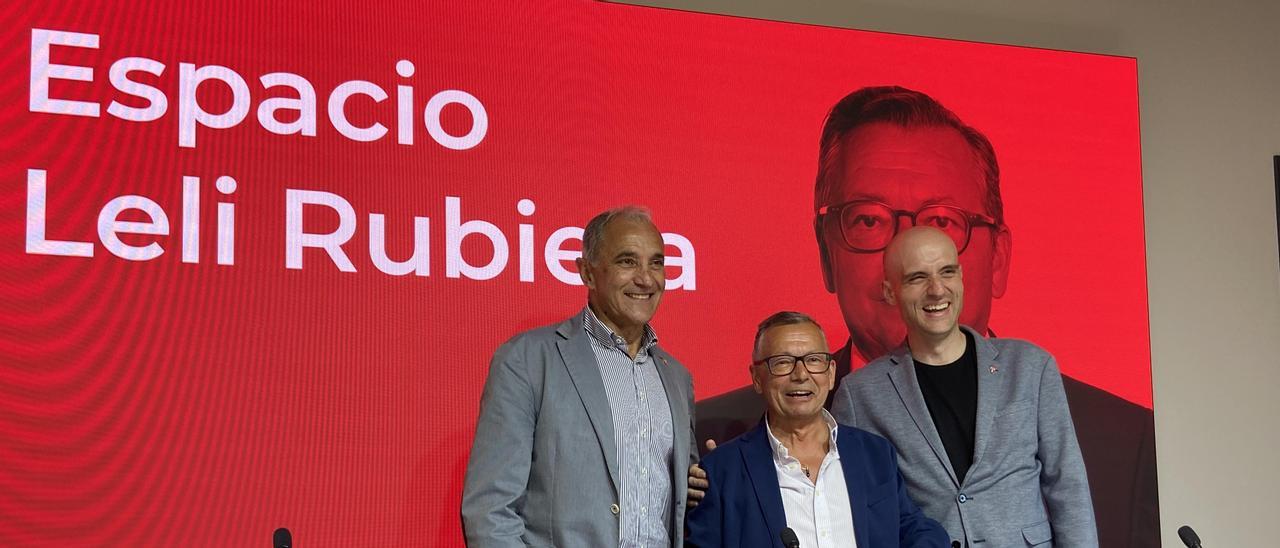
(254, 257)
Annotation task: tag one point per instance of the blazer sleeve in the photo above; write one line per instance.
(1063, 480)
(704, 524)
(501, 454)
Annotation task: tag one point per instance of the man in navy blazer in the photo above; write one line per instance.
(830, 484)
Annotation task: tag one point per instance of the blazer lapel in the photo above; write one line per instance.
(677, 400)
(758, 458)
(990, 386)
(580, 360)
(908, 387)
(855, 483)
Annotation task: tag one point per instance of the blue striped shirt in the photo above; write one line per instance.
(642, 434)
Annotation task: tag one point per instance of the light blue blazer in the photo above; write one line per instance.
(1027, 485)
(543, 469)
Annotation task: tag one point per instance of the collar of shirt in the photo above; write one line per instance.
(780, 453)
(601, 332)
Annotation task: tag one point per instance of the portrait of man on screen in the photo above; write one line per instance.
(890, 157)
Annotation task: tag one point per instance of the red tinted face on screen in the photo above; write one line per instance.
(907, 169)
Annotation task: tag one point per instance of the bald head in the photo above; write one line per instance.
(914, 241)
(923, 279)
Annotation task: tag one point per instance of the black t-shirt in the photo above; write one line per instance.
(951, 393)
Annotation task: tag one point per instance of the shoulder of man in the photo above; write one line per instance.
(730, 450)
(538, 339)
(874, 370)
(869, 440)
(1018, 351)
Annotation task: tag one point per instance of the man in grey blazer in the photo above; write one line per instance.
(985, 438)
(586, 428)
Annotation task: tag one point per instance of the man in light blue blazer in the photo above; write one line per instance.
(982, 428)
(585, 432)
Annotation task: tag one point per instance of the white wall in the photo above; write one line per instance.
(1209, 81)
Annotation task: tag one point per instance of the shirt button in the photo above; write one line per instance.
(963, 499)
(613, 508)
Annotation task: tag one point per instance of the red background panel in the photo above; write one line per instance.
(207, 403)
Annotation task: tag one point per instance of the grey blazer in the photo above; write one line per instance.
(543, 469)
(1027, 485)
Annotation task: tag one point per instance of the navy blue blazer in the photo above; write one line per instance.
(743, 505)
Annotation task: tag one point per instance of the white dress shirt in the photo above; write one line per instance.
(817, 510)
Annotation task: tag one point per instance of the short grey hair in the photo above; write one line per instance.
(786, 317)
(594, 232)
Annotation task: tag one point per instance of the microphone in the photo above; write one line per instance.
(1189, 536)
(282, 538)
(789, 538)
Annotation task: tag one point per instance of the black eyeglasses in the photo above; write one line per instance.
(783, 364)
(867, 226)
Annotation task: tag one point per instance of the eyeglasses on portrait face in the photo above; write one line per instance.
(867, 226)
(783, 364)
